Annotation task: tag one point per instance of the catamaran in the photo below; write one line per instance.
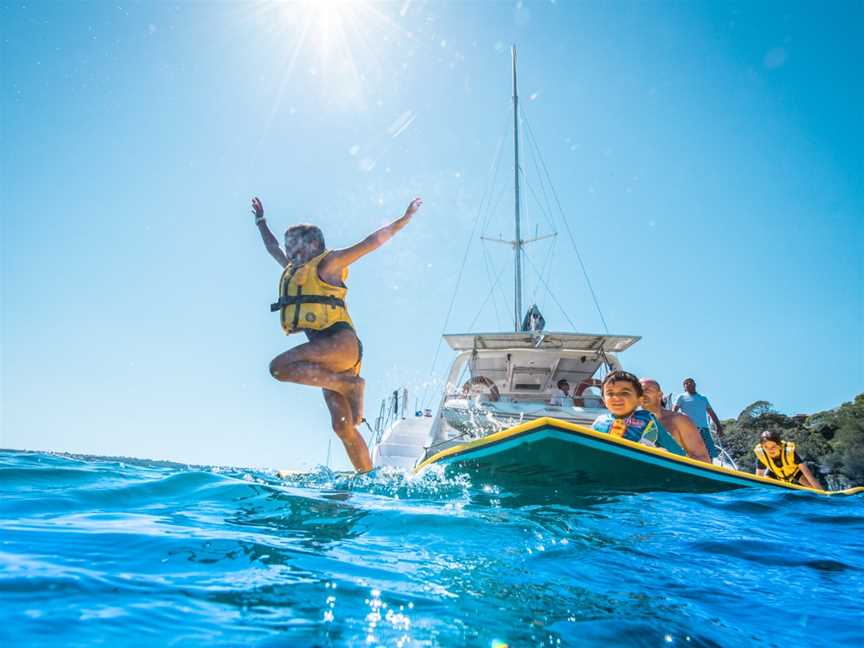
(503, 419)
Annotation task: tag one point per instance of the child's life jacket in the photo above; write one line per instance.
(641, 426)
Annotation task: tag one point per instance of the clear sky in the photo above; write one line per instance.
(709, 158)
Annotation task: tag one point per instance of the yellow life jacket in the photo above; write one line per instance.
(786, 469)
(308, 303)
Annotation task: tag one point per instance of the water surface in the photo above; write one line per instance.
(105, 552)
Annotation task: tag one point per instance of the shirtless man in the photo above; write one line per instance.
(678, 425)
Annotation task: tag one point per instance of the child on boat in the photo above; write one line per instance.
(311, 299)
(622, 394)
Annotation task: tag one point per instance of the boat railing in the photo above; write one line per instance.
(386, 415)
(393, 408)
(591, 401)
(726, 459)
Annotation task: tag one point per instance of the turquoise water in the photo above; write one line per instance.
(96, 551)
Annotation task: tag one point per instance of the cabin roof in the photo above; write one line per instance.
(541, 340)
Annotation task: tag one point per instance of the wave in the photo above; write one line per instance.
(98, 550)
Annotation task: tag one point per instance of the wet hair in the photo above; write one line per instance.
(771, 435)
(561, 382)
(623, 376)
(309, 234)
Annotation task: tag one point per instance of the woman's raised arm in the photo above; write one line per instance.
(270, 241)
(339, 259)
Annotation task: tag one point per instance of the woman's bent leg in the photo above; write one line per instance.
(319, 363)
(327, 363)
(343, 425)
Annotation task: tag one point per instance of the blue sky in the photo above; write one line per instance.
(707, 157)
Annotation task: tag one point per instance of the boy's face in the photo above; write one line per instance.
(620, 397)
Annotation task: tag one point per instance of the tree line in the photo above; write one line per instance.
(831, 442)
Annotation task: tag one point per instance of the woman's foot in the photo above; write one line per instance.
(354, 394)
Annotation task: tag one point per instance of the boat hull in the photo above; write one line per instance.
(553, 453)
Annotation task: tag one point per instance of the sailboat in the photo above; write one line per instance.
(502, 419)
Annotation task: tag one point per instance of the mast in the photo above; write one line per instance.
(517, 244)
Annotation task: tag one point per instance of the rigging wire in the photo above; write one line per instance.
(551, 225)
(490, 274)
(534, 151)
(486, 192)
(537, 282)
(546, 267)
(508, 302)
(488, 257)
(504, 191)
(530, 132)
(550, 265)
(545, 209)
(485, 301)
(487, 260)
(551, 294)
(539, 203)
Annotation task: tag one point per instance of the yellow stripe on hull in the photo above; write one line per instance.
(491, 449)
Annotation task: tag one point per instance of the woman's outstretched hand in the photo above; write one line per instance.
(334, 262)
(257, 209)
(413, 207)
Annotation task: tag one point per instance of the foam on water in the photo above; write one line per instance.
(135, 552)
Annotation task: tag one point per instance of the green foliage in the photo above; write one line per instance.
(832, 442)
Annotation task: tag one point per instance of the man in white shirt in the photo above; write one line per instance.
(561, 396)
(697, 407)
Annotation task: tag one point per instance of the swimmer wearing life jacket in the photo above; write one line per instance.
(311, 300)
(778, 459)
(678, 425)
(622, 394)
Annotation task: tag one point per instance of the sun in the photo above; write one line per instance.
(336, 45)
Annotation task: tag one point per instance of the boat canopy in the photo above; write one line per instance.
(547, 341)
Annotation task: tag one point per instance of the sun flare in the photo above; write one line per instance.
(336, 45)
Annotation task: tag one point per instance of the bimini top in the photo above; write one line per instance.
(541, 340)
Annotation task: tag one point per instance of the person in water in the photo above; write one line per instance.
(778, 459)
(697, 407)
(312, 300)
(679, 426)
(622, 394)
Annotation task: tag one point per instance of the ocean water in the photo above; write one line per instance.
(105, 552)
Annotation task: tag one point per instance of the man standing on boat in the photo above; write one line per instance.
(679, 426)
(562, 395)
(697, 407)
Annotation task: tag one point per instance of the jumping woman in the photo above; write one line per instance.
(312, 300)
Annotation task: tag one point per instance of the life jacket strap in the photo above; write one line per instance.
(306, 299)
